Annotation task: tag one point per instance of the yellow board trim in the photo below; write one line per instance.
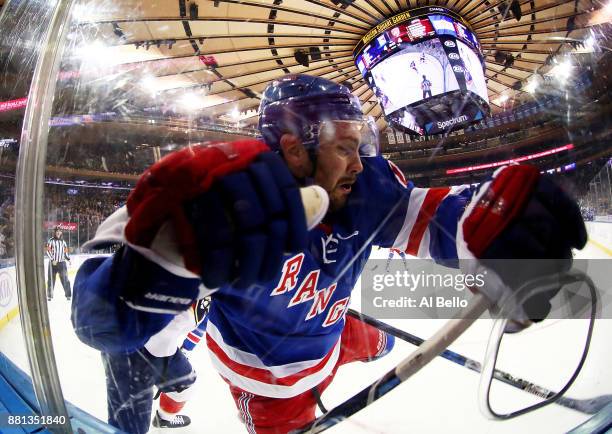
(9, 316)
(601, 246)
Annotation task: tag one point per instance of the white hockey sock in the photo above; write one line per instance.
(166, 415)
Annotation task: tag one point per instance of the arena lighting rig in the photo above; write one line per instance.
(426, 68)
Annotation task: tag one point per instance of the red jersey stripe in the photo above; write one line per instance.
(260, 374)
(193, 337)
(428, 209)
(399, 175)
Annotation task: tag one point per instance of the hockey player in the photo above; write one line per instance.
(426, 87)
(130, 377)
(227, 220)
(195, 336)
(171, 403)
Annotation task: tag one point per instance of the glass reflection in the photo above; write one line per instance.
(138, 81)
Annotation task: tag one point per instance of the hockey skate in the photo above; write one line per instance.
(178, 421)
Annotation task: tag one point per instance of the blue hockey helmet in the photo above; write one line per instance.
(300, 104)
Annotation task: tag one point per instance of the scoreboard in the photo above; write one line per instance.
(426, 69)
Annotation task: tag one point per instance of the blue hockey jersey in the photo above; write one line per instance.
(281, 338)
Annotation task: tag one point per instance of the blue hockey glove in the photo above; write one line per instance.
(245, 223)
(225, 212)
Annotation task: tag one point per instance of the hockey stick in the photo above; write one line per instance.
(420, 357)
(588, 406)
(405, 369)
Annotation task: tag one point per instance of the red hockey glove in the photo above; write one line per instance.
(522, 225)
(163, 189)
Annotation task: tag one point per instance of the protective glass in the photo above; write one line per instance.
(94, 92)
(365, 131)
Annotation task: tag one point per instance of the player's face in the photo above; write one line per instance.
(338, 161)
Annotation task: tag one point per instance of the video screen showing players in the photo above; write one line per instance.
(474, 74)
(424, 67)
(415, 73)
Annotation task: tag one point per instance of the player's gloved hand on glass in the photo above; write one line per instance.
(260, 216)
(226, 212)
(523, 225)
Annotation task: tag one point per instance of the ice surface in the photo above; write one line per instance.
(119, 107)
(441, 398)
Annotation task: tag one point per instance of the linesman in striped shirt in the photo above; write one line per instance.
(57, 252)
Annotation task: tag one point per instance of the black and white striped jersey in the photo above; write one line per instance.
(57, 250)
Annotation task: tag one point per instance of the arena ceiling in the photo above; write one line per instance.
(247, 43)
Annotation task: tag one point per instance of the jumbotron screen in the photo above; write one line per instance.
(426, 70)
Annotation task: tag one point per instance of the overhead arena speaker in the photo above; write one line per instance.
(301, 57)
(315, 53)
